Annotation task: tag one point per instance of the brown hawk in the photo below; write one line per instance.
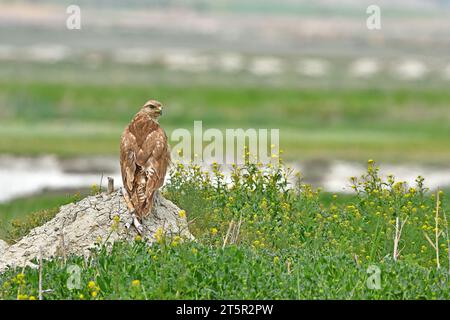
(144, 158)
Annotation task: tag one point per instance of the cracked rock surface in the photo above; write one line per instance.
(79, 226)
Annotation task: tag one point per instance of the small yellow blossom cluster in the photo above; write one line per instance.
(25, 297)
(95, 189)
(99, 240)
(19, 279)
(115, 223)
(20, 282)
(153, 255)
(258, 244)
(175, 241)
(352, 209)
(93, 288)
(159, 235)
(136, 283)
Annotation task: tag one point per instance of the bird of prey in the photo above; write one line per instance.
(144, 158)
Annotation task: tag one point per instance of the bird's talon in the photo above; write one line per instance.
(137, 225)
(131, 221)
(140, 230)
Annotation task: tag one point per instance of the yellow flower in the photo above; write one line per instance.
(20, 278)
(94, 294)
(182, 214)
(263, 203)
(159, 234)
(213, 231)
(32, 298)
(175, 241)
(138, 238)
(22, 297)
(135, 283)
(91, 285)
(276, 260)
(81, 296)
(115, 223)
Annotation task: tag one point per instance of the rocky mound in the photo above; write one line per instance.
(79, 226)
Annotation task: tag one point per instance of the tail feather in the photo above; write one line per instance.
(147, 210)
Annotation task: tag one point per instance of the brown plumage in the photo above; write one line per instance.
(144, 158)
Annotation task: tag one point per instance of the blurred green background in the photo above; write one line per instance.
(336, 90)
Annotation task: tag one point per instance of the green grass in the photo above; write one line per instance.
(19, 216)
(193, 271)
(21, 207)
(352, 124)
(292, 244)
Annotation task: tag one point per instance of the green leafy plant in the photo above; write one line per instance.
(264, 237)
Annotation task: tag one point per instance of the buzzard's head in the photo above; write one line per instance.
(153, 108)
